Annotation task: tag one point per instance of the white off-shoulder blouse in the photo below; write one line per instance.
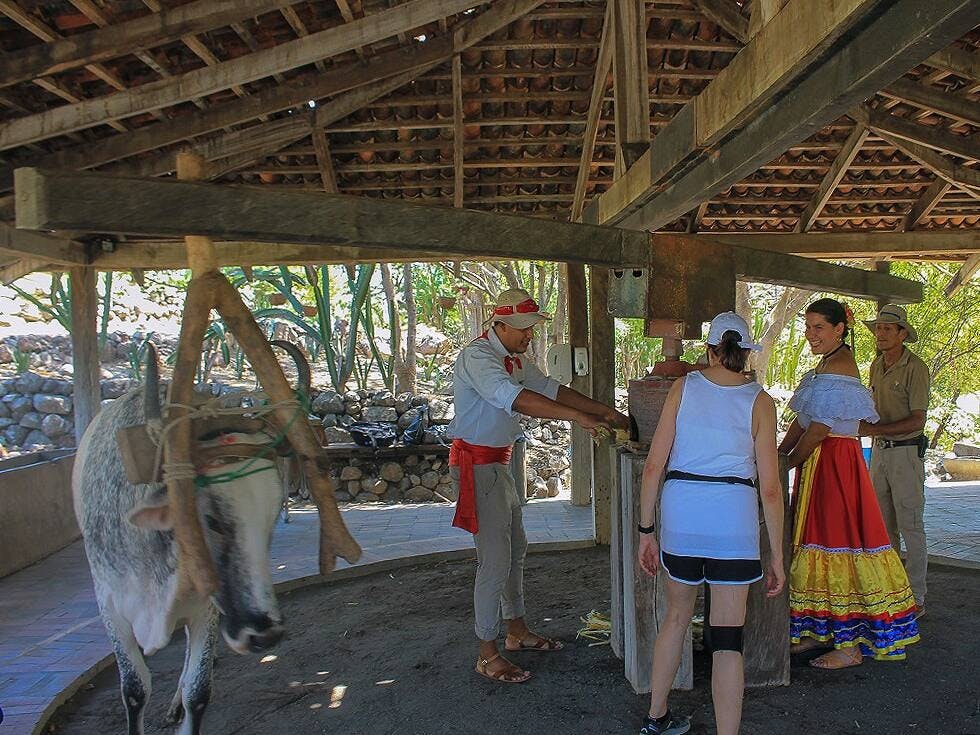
(838, 401)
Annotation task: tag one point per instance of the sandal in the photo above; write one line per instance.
(840, 658)
(517, 643)
(504, 676)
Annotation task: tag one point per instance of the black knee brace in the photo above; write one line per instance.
(726, 638)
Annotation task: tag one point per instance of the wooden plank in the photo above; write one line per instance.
(20, 268)
(630, 80)
(760, 266)
(602, 365)
(925, 203)
(949, 104)
(786, 47)
(578, 336)
(963, 275)
(957, 61)
(91, 202)
(420, 58)
(725, 14)
(968, 179)
(39, 246)
(953, 244)
(833, 177)
(324, 161)
(898, 37)
(939, 139)
(208, 80)
(599, 83)
(458, 150)
(87, 397)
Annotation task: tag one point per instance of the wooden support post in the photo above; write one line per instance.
(578, 336)
(882, 266)
(84, 348)
(603, 368)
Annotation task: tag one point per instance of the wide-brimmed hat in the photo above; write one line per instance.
(893, 314)
(729, 321)
(516, 308)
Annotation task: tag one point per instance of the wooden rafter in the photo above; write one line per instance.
(963, 275)
(925, 203)
(39, 246)
(725, 13)
(202, 82)
(948, 104)
(630, 81)
(957, 61)
(324, 161)
(458, 148)
(952, 244)
(837, 170)
(596, 99)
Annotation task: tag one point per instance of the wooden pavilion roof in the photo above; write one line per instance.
(518, 103)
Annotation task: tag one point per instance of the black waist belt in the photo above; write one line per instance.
(678, 475)
(890, 443)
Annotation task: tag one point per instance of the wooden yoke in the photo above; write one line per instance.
(211, 289)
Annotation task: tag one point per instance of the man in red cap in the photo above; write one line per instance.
(492, 384)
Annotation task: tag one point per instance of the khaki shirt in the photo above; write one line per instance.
(900, 389)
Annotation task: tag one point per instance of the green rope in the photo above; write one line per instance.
(203, 481)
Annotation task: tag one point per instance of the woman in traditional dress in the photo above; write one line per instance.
(716, 436)
(848, 589)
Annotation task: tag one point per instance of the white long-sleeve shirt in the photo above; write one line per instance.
(484, 391)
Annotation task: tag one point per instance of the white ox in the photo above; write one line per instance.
(132, 554)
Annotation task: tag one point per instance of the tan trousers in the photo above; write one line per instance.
(501, 546)
(899, 478)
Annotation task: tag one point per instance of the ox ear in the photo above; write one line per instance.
(152, 516)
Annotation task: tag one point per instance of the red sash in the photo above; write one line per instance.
(464, 455)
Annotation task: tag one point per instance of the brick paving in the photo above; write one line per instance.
(51, 635)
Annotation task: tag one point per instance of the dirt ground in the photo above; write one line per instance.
(393, 654)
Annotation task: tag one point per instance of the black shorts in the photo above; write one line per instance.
(698, 569)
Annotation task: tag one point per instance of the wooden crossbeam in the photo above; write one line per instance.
(39, 246)
(419, 58)
(925, 203)
(963, 275)
(954, 244)
(725, 14)
(90, 202)
(938, 139)
(833, 177)
(20, 268)
(957, 61)
(202, 82)
(324, 162)
(674, 176)
(630, 81)
(968, 179)
(599, 82)
(948, 104)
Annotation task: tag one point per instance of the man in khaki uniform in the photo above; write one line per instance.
(900, 384)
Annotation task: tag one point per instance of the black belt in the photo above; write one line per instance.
(678, 475)
(891, 443)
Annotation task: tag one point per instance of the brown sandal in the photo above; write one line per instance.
(840, 658)
(504, 676)
(543, 644)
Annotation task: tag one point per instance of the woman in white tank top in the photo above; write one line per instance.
(715, 439)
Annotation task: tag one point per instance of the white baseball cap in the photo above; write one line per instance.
(730, 321)
(516, 308)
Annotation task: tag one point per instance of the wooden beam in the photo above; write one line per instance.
(630, 80)
(763, 11)
(40, 246)
(833, 177)
(324, 161)
(249, 68)
(602, 359)
(963, 275)
(760, 266)
(20, 268)
(948, 104)
(87, 397)
(458, 150)
(599, 82)
(964, 146)
(924, 204)
(420, 58)
(725, 14)
(578, 336)
(952, 244)
(674, 178)
(91, 202)
(956, 60)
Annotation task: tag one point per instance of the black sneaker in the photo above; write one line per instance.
(665, 725)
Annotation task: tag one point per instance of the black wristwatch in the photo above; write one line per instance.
(645, 529)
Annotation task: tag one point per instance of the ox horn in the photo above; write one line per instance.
(304, 379)
(151, 386)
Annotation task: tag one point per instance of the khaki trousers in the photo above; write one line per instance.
(899, 478)
(501, 546)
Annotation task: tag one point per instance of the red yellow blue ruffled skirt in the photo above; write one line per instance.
(847, 584)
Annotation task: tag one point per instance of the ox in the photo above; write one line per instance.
(131, 551)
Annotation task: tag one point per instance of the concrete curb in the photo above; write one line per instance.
(291, 585)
